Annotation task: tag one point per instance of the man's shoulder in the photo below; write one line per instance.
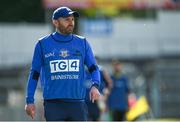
(79, 37)
(43, 38)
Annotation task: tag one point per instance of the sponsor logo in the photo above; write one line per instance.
(61, 77)
(49, 55)
(71, 65)
(77, 53)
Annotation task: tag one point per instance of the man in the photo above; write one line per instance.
(96, 109)
(59, 60)
(118, 98)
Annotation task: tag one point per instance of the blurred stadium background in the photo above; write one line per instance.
(144, 34)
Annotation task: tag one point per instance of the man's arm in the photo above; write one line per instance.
(109, 82)
(33, 80)
(94, 71)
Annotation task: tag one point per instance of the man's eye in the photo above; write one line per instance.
(67, 19)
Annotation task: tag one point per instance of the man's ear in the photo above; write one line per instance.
(55, 23)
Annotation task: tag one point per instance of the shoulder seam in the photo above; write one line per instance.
(41, 47)
(78, 36)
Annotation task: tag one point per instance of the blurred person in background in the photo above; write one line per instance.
(118, 98)
(96, 109)
(59, 60)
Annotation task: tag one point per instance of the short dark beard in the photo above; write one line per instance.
(63, 32)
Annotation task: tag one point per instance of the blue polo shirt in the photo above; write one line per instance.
(59, 61)
(118, 98)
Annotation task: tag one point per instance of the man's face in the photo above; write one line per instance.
(65, 24)
(117, 67)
